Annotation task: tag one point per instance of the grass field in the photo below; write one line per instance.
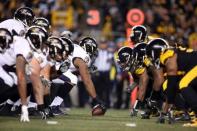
(81, 120)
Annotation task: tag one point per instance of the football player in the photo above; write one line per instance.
(139, 34)
(41, 21)
(6, 39)
(23, 18)
(80, 61)
(180, 66)
(59, 51)
(20, 54)
(135, 61)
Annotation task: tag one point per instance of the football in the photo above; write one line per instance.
(98, 110)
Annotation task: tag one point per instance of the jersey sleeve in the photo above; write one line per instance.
(13, 26)
(139, 71)
(21, 47)
(167, 54)
(80, 53)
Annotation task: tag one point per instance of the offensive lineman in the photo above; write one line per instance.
(20, 54)
(80, 61)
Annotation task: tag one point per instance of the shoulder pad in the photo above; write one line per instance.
(165, 55)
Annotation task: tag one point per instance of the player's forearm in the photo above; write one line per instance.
(143, 82)
(90, 88)
(22, 89)
(88, 82)
(22, 85)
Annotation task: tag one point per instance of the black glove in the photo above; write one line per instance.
(131, 87)
(161, 118)
(64, 66)
(171, 119)
(99, 102)
(42, 112)
(93, 69)
(133, 112)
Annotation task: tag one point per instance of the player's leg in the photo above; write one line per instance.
(187, 86)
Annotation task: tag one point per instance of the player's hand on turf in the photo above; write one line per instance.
(171, 119)
(99, 107)
(161, 118)
(43, 114)
(133, 113)
(24, 114)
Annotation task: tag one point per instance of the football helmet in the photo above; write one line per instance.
(154, 49)
(139, 54)
(56, 49)
(138, 34)
(36, 37)
(41, 21)
(66, 34)
(69, 45)
(90, 46)
(25, 15)
(6, 39)
(125, 58)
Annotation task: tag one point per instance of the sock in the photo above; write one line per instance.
(32, 104)
(47, 100)
(41, 107)
(57, 101)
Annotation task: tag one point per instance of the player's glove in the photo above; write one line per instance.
(24, 114)
(170, 117)
(45, 82)
(64, 66)
(131, 87)
(93, 69)
(133, 112)
(99, 108)
(161, 118)
(43, 114)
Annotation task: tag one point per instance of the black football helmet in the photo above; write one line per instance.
(139, 54)
(6, 39)
(138, 34)
(56, 48)
(90, 46)
(25, 15)
(36, 36)
(125, 58)
(69, 45)
(154, 49)
(41, 21)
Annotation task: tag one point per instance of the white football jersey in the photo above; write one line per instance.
(14, 25)
(20, 46)
(79, 52)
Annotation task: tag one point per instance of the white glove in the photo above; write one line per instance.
(24, 114)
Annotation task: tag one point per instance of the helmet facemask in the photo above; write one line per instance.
(5, 39)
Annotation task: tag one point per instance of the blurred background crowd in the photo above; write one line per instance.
(174, 20)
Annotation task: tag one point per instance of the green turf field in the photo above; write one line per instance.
(81, 120)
